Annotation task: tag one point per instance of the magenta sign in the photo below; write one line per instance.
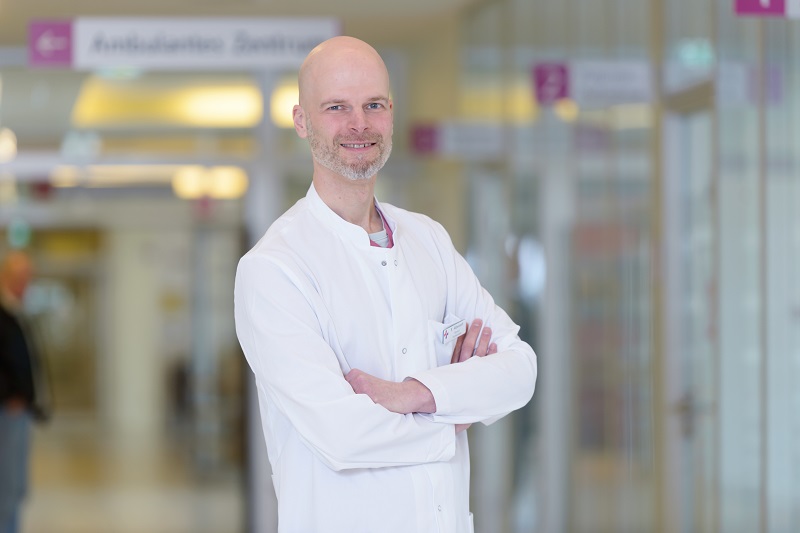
(425, 139)
(551, 82)
(50, 43)
(762, 8)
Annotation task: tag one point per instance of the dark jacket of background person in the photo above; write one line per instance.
(17, 360)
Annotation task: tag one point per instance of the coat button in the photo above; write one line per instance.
(395, 262)
(383, 263)
(440, 508)
(404, 350)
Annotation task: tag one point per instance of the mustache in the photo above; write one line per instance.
(370, 138)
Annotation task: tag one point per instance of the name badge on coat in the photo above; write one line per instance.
(452, 332)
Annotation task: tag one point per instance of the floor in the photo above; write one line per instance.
(83, 482)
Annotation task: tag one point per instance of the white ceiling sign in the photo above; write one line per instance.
(473, 141)
(197, 44)
(603, 83)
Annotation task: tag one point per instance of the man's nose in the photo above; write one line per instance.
(358, 121)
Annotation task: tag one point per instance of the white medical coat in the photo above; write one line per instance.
(314, 300)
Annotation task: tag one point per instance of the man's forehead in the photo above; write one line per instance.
(345, 90)
(344, 69)
(345, 98)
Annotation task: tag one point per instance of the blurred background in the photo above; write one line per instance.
(622, 175)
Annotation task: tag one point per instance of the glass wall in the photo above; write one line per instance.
(576, 196)
(664, 400)
(780, 290)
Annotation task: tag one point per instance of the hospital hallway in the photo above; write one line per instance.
(85, 484)
(622, 176)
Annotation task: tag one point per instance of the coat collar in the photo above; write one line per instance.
(350, 232)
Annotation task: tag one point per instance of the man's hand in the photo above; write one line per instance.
(409, 396)
(474, 342)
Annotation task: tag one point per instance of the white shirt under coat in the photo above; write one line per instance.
(313, 300)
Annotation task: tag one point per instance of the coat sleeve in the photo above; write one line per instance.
(281, 337)
(481, 389)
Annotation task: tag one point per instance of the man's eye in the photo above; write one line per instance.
(374, 105)
(335, 107)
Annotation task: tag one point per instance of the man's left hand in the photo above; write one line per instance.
(475, 342)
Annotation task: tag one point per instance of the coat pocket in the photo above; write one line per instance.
(442, 340)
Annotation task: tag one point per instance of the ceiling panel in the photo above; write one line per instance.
(376, 18)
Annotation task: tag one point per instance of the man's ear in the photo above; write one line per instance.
(299, 118)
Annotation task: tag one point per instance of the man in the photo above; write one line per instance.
(17, 398)
(348, 311)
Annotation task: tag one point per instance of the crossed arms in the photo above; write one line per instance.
(410, 395)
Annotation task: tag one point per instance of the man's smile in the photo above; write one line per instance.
(357, 145)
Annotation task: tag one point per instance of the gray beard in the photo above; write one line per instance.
(328, 157)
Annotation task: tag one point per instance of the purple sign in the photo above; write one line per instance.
(551, 81)
(425, 139)
(50, 43)
(762, 8)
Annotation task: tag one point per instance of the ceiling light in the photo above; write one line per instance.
(221, 183)
(281, 103)
(65, 176)
(8, 145)
(190, 182)
(222, 107)
(484, 100)
(227, 183)
(181, 102)
(566, 109)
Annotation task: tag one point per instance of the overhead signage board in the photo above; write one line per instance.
(767, 8)
(602, 83)
(593, 83)
(179, 43)
(472, 141)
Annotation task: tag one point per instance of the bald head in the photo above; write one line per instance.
(335, 58)
(16, 271)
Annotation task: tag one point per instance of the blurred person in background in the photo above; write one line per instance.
(373, 344)
(18, 404)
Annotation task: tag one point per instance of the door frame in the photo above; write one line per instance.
(677, 407)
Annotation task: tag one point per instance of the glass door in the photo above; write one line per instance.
(691, 336)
